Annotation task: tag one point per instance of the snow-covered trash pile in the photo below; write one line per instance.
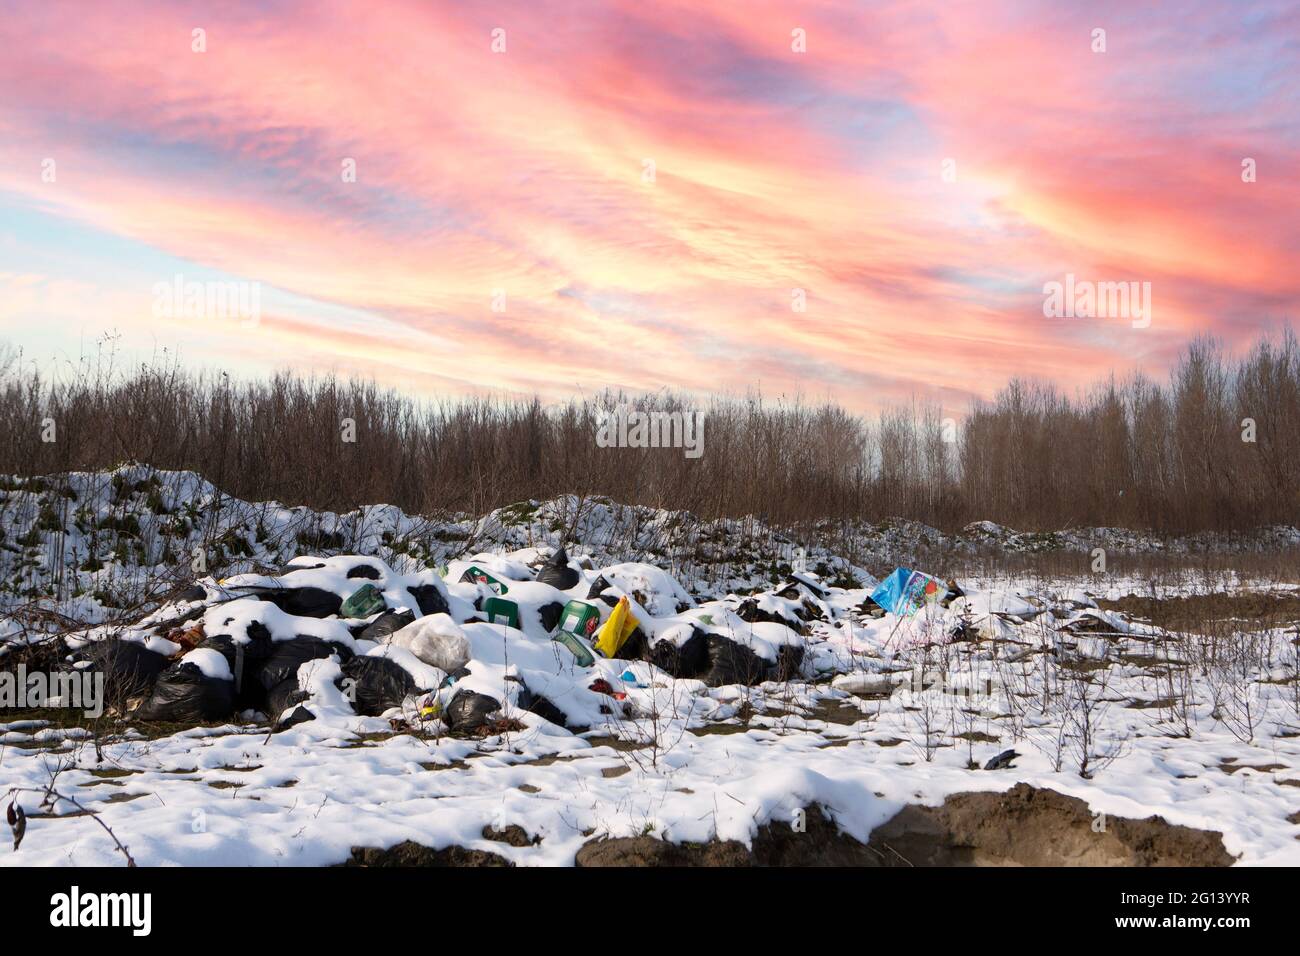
(578, 700)
(528, 636)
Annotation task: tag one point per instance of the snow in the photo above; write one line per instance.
(668, 756)
(212, 663)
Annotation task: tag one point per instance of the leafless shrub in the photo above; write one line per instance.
(1134, 454)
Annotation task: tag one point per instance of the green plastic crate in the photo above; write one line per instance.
(476, 575)
(501, 611)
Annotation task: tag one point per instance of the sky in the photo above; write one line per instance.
(843, 200)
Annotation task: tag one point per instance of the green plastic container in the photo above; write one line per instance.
(476, 575)
(365, 601)
(580, 619)
(581, 655)
(501, 611)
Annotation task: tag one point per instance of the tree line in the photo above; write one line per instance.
(1215, 446)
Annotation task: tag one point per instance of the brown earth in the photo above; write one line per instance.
(1030, 827)
(414, 854)
(1200, 612)
(1024, 826)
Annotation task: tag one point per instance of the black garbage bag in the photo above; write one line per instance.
(750, 612)
(469, 711)
(302, 602)
(283, 696)
(260, 642)
(195, 592)
(386, 624)
(247, 693)
(367, 571)
(378, 684)
(460, 673)
(224, 645)
(635, 648)
(285, 660)
(300, 715)
(557, 572)
(732, 663)
(183, 693)
(541, 706)
(129, 668)
(287, 568)
(690, 659)
(789, 659)
(429, 599)
(550, 615)
(597, 587)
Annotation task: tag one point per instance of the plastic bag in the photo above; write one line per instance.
(285, 660)
(905, 591)
(611, 638)
(387, 624)
(435, 640)
(470, 711)
(429, 599)
(378, 684)
(732, 663)
(129, 668)
(557, 572)
(183, 693)
(301, 602)
(689, 659)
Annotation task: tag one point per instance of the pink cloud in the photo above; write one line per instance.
(774, 171)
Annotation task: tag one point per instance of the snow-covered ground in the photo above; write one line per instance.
(879, 711)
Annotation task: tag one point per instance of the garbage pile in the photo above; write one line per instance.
(530, 632)
(532, 639)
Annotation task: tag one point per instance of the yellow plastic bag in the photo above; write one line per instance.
(617, 629)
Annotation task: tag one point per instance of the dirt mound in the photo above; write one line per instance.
(1023, 827)
(1026, 826)
(648, 851)
(415, 854)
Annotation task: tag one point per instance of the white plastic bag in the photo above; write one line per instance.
(436, 640)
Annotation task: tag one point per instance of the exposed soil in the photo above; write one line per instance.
(1024, 826)
(1200, 613)
(515, 835)
(107, 728)
(413, 854)
(649, 851)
